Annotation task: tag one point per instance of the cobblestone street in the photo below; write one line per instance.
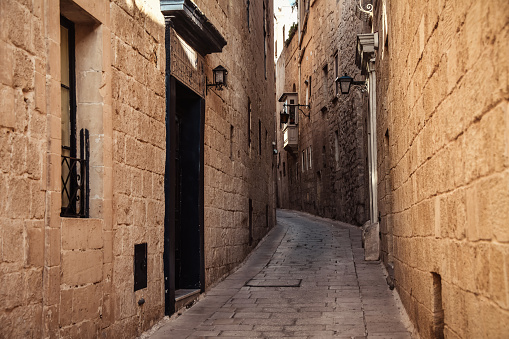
(307, 279)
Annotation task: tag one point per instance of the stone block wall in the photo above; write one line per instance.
(335, 186)
(139, 153)
(23, 170)
(239, 161)
(443, 126)
(72, 277)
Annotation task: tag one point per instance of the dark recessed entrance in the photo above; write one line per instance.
(184, 266)
(187, 189)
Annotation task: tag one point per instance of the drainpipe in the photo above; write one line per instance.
(372, 142)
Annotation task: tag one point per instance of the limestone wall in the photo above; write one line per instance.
(72, 277)
(237, 169)
(139, 153)
(442, 71)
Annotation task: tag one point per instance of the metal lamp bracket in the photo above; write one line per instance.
(361, 85)
(218, 87)
(368, 11)
(298, 107)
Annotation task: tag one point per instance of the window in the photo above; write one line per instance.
(307, 91)
(231, 142)
(265, 39)
(266, 215)
(250, 222)
(292, 111)
(324, 158)
(303, 160)
(75, 170)
(336, 73)
(325, 75)
(309, 158)
(249, 122)
(336, 146)
(247, 10)
(259, 137)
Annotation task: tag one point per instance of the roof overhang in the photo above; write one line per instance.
(283, 96)
(193, 26)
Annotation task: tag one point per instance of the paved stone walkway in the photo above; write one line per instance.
(307, 279)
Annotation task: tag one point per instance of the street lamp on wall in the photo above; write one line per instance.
(220, 76)
(345, 82)
(291, 108)
(284, 117)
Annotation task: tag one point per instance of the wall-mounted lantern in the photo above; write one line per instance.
(284, 117)
(290, 106)
(345, 82)
(220, 76)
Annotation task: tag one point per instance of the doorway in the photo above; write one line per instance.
(184, 257)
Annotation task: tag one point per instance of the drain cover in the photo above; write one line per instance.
(273, 283)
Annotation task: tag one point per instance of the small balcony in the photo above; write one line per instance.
(291, 138)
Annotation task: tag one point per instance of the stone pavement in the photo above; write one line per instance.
(307, 279)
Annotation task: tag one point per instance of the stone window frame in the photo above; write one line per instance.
(93, 111)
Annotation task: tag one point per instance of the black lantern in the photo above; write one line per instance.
(220, 78)
(220, 74)
(344, 83)
(283, 117)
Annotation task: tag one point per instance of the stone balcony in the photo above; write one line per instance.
(291, 138)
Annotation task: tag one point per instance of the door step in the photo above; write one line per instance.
(185, 298)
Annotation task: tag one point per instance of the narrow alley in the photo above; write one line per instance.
(306, 279)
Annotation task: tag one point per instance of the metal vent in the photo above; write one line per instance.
(140, 266)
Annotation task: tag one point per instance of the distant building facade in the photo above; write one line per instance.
(285, 16)
(324, 170)
(119, 188)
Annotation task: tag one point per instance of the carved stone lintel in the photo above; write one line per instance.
(186, 64)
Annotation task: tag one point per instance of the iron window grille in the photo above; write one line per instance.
(75, 181)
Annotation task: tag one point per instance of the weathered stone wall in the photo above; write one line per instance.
(68, 277)
(443, 126)
(232, 178)
(336, 184)
(139, 134)
(23, 180)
